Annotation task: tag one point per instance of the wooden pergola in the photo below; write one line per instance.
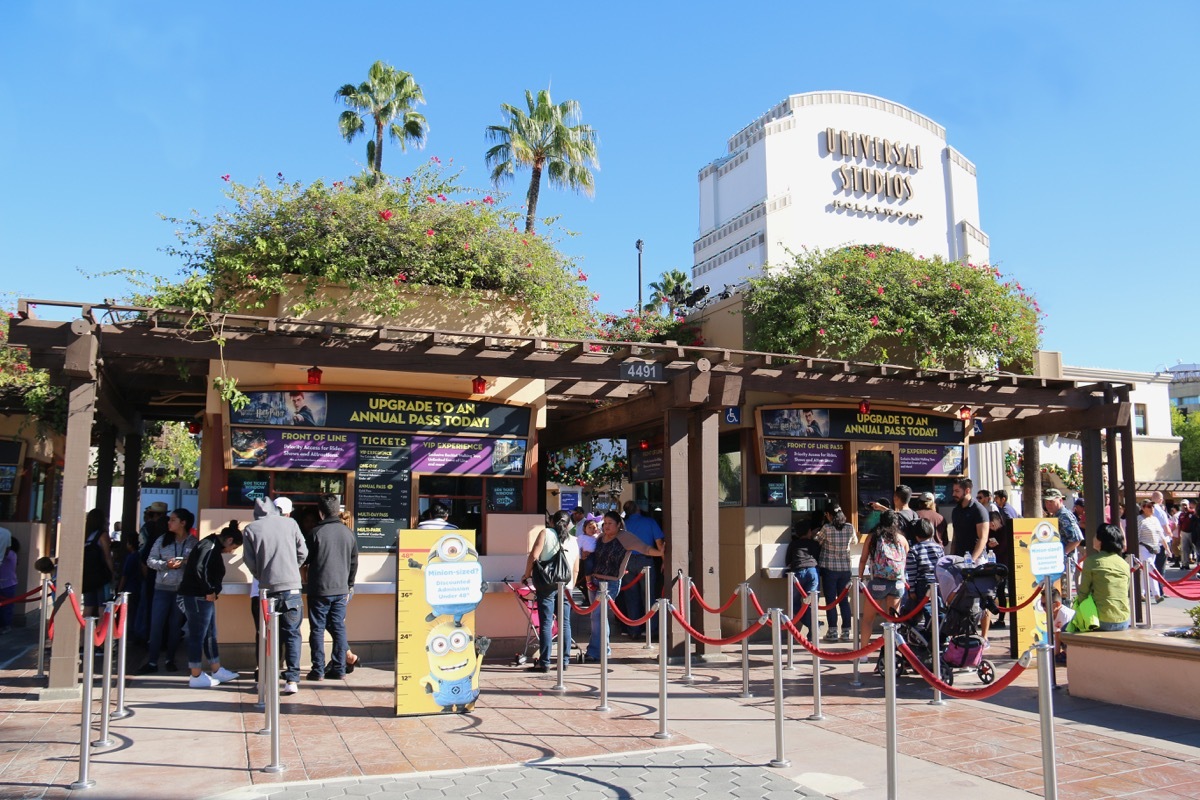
(122, 365)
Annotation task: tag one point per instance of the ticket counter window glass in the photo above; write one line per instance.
(876, 479)
(729, 469)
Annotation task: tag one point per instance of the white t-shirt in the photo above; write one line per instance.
(1061, 617)
(1150, 533)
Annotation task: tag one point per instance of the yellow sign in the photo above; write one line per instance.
(439, 582)
(1031, 620)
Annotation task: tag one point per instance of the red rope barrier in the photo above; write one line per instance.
(833, 655)
(1193, 592)
(896, 618)
(25, 598)
(757, 605)
(631, 622)
(1028, 600)
(700, 637)
(75, 605)
(119, 630)
(100, 633)
(700, 601)
(264, 618)
(836, 600)
(632, 583)
(588, 610)
(961, 694)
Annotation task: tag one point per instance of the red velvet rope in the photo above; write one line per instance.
(587, 610)
(888, 615)
(264, 618)
(100, 632)
(757, 605)
(1174, 590)
(837, 599)
(75, 604)
(833, 655)
(632, 583)
(700, 601)
(1028, 600)
(627, 620)
(700, 637)
(25, 598)
(960, 694)
(119, 630)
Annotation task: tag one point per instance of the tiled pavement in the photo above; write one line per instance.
(185, 743)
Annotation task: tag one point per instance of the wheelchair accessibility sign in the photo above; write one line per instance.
(733, 415)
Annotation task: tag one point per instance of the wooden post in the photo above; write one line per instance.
(1093, 484)
(677, 503)
(106, 462)
(1031, 470)
(706, 529)
(1114, 480)
(1129, 483)
(64, 654)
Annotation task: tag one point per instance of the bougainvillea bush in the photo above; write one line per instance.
(880, 304)
(376, 237)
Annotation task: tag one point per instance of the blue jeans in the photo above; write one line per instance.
(1114, 626)
(593, 648)
(807, 578)
(289, 605)
(166, 611)
(201, 630)
(327, 611)
(547, 610)
(833, 581)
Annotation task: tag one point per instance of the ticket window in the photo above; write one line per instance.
(874, 473)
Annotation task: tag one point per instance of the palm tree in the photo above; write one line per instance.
(671, 289)
(388, 94)
(547, 138)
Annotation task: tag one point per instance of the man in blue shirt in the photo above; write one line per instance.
(1068, 526)
(650, 534)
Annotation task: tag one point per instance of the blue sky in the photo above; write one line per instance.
(1079, 116)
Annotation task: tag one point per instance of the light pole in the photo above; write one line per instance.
(638, 245)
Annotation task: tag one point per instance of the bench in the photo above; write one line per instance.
(1140, 667)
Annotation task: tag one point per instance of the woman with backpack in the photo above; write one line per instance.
(885, 551)
(558, 537)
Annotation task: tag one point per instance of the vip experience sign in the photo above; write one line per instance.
(439, 583)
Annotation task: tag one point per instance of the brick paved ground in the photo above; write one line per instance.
(185, 743)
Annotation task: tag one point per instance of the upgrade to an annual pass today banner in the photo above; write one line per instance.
(439, 583)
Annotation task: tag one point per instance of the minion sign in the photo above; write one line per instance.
(438, 656)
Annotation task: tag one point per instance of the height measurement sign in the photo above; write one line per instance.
(641, 371)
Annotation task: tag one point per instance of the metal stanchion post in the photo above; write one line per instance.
(559, 686)
(45, 620)
(935, 643)
(110, 609)
(649, 597)
(122, 712)
(267, 675)
(664, 612)
(855, 617)
(791, 612)
(814, 629)
(603, 647)
(263, 674)
(744, 588)
(687, 636)
(1048, 603)
(276, 764)
(85, 716)
(1148, 599)
(889, 690)
(1045, 658)
(777, 659)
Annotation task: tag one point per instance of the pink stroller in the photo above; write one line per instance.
(527, 600)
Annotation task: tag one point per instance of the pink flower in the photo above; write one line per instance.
(994, 327)
(874, 321)
(820, 331)
(467, 246)
(582, 275)
(595, 298)
(899, 330)
(386, 214)
(525, 242)
(488, 200)
(252, 276)
(430, 200)
(408, 180)
(880, 290)
(872, 254)
(594, 348)
(225, 178)
(954, 312)
(442, 197)
(528, 264)
(429, 232)
(967, 292)
(435, 160)
(400, 278)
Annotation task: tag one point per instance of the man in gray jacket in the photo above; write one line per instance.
(332, 565)
(274, 549)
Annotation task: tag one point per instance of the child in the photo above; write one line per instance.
(1062, 615)
(803, 552)
(921, 563)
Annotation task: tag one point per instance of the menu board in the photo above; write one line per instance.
(382, 491)
(646, 465)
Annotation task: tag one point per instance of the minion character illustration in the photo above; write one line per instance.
(454, 660)
(453, 578)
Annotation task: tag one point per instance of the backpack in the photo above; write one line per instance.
(549, 573)
(887, 562)
(96, 574)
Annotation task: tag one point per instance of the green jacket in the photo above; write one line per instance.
(1106, 579)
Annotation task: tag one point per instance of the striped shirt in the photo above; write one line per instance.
(921, 561)
(835, 547)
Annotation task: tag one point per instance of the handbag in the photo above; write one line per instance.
(1086, 618)
(548, 573)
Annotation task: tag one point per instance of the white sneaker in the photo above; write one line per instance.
(291, 687)
(864, 659)
(225, 675)
(203, 681)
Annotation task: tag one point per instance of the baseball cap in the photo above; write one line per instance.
(928, 498)
(1146, 501)
(1052, 494)
(284, 504)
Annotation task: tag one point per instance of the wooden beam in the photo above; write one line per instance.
(1044, 424)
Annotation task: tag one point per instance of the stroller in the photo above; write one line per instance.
(527, 599)
(964, 595)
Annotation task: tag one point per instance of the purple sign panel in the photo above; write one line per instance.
(931, 459)
(460, 455)
(263, 448)
(788, 455)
